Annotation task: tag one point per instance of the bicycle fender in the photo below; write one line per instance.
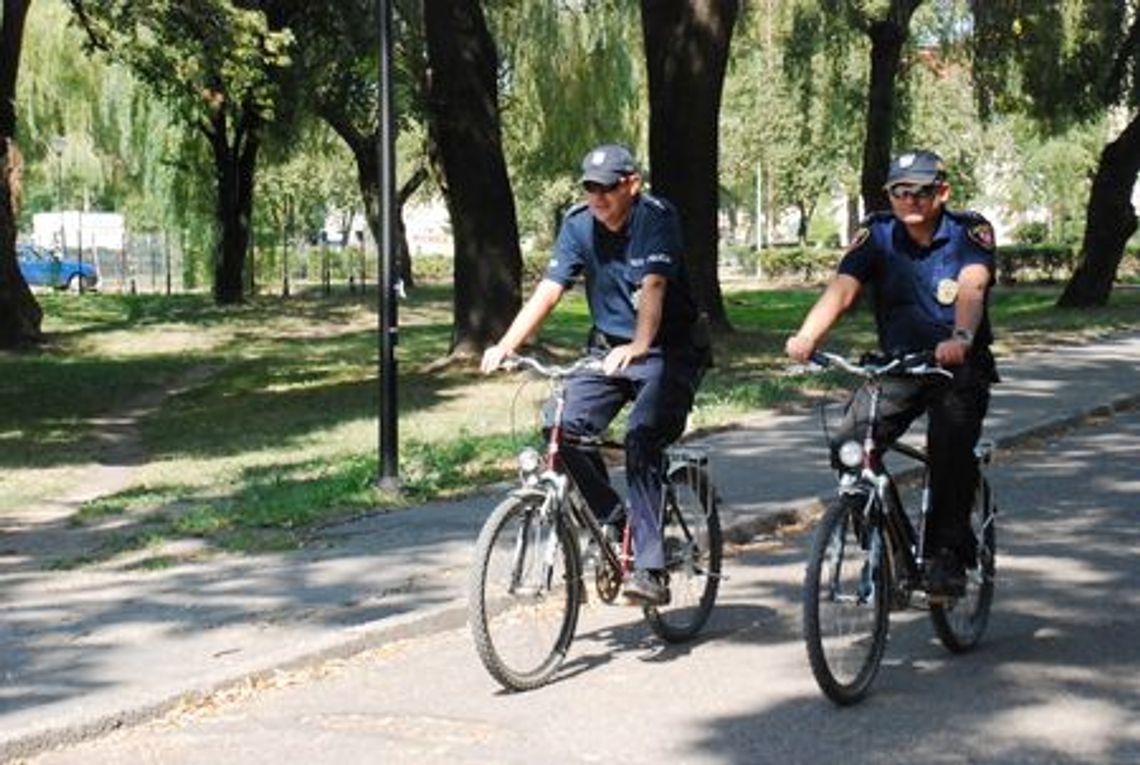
(538, 493)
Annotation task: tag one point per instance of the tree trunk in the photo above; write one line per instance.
(887, 40)
(686, 50)
(1109, 222)
(20, 314)
(363, 148)
(464, 124)
(234, 169)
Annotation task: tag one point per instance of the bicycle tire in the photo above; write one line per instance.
(961, 624)
(694, 549)
(523, 612)
(846, 601)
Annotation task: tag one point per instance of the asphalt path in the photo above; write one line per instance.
(1056, 680)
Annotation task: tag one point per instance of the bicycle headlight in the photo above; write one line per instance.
(851, 454)
(529, 461)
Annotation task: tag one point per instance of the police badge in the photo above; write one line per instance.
(947, 291)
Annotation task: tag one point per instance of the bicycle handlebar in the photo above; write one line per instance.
(555, 371)
(917, 364)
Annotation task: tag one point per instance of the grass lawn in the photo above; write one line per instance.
(269, 428)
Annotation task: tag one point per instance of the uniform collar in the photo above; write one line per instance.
(941, 235)
(625, 226)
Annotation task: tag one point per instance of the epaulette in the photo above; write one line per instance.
(966, 216)
(880, 216)
(576, 209)
(977, 227)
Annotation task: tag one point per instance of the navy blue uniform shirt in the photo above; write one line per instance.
(614, 264)
(914, 294)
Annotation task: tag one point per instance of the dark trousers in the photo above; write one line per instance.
(661, 387)
(955, 410)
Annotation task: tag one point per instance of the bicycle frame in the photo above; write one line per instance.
(553, 479)
(906, 543)
(867, 558)
(529, 555)
(549, 476)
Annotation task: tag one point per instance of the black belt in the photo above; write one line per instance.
(605, 341)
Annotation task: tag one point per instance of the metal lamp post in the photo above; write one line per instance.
(58, 144)
(389, 469)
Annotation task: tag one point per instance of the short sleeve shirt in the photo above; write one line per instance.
(915, 287)
(613, 265)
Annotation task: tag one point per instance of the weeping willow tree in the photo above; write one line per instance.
(119, 148)
(572, 77)
(824, 75)
(220, 68)
(1063, 63)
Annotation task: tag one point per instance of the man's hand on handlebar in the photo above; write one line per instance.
(799, 348)
(951, 353)
(493, 358)
(620, 357)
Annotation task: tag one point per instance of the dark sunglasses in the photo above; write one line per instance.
(912, 192)
(592, 187)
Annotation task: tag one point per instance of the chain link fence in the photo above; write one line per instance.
(149, 263)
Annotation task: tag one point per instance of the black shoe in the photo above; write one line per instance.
(647, 587)
(945, 575)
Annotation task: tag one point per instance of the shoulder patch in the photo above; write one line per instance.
(981, 233)
(858, 239)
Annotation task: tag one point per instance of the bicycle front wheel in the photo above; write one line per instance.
(845, 601)
(693, 551)
(959, 625)
(524, 593)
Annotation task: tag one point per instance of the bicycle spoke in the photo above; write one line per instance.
(524, 594)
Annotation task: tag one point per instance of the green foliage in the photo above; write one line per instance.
(1061, 62)
(571, 77)
(204, 56)
(805, 264)
(1031, 232)
(121, 147)
(1035, 262)
(792, 106)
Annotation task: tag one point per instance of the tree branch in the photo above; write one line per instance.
(1114, 83)
(94, 37)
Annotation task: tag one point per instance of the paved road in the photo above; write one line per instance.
(1057, 679)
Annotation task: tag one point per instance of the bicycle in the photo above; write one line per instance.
(526, 586)
(867, 557)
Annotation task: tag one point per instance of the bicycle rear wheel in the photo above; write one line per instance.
(845, 601)
(693, 552)
(524, 593)
(960, 624)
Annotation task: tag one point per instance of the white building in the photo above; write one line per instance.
(427, 227)
(96, 230)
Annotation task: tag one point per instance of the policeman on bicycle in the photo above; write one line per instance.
(929, 269)
(626, 244)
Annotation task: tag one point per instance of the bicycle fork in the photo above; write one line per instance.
(535, 533)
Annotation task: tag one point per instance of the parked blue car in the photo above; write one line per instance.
(43, 268)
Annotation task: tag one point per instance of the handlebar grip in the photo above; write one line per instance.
(819, 359)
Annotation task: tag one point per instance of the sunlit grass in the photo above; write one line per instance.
(271, 432)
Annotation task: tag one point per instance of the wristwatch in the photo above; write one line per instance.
(964, 335)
